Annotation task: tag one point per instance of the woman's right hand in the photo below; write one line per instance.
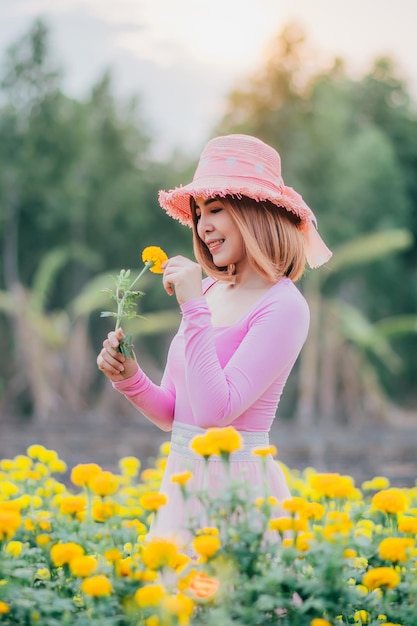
(112, 362)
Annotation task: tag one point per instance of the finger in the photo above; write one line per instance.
(109, 364)
(114, 338)
(113, 351)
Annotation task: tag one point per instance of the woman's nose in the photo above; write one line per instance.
(204, 224)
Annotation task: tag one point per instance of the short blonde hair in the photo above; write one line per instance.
(274, 243)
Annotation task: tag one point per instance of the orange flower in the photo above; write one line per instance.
(266, 451)
(62, 553)
(104, 483)
(206, 545)
(9, 523)
(381, 577)
(97, 586)
(390, 501)
(202, 586)
(152, 501)
(83, 473)
(156, 256)
(332, 485)
(395, 548)
(82, 566)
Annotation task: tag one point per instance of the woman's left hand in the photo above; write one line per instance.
(182, 277)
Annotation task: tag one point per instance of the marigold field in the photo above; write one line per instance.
(77, 553)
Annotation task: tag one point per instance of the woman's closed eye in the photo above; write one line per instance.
(212, 211)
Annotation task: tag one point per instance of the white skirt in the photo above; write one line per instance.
(173, 520)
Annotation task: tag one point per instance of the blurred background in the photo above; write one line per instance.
(102, 104)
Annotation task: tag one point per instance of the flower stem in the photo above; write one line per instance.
(121, 301)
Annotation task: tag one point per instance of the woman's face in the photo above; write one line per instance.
(218, 230)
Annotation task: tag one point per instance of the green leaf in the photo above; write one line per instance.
(369, 248)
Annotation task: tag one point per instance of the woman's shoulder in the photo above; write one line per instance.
(286, 295)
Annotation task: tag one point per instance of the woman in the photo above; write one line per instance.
(243, 326)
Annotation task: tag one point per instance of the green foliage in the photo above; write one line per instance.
(78, 175)
(285, 563)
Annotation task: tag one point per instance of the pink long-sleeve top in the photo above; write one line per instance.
(217, 376)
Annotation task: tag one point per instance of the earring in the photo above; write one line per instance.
(231, 269)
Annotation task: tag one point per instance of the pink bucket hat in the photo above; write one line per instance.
(241, 165)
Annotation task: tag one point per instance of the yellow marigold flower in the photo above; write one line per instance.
(158, 553)
(112, 555)
(271, 501)
(376, 484)
(4, 608)
(180, 606)
(124, 567)
(181, 478)
(14, 548)
(161, 464)
(9, 522)
(73, 504)
(150, 595)
(129, 465)
(104, 483)
(381, 577)
(288, 543)
(97, 586)
(139, 527)
(390, 501)
(303, 541)
(7, 488)
(206, 545)
(156, 256)
(265, 451)
(58, 466)
(47, 456)
(407, 524)
(226, 440)
(35, 451)
(153, 620)
(360, 562)
(62, 553)
(295, 505)
(43, 573)
(395, 549)
(348, 553)
(102, 511)
(319, 621)
(361, 616)
(332, 485)
(208, 530)
(82, 566)
(313, 510)
(152, 501)
(82, 474)
(151, 475)
(280, 524)
(202, 446)
(43, 540)
(165, 448)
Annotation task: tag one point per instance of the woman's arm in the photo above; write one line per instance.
(276, 333)
(157, 403)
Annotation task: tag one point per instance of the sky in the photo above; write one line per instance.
(182, 57)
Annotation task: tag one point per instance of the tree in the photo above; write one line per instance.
(349, 146)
